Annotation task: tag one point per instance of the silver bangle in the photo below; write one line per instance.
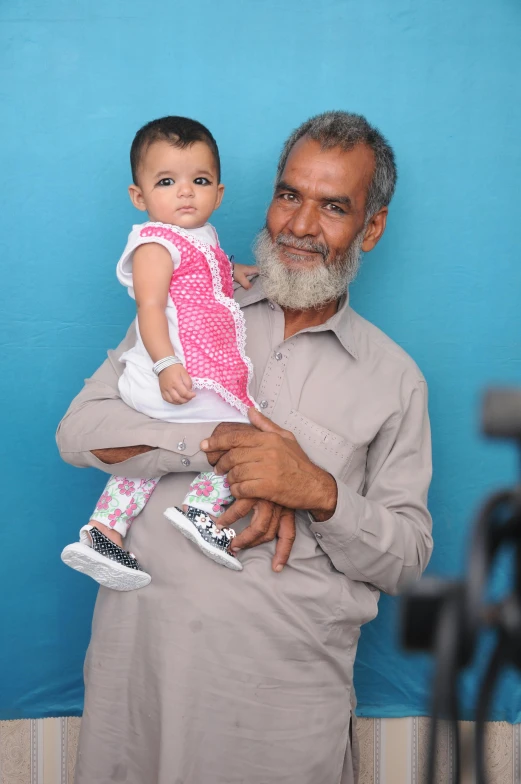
(162, 364)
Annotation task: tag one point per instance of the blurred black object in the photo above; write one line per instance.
(446, 617)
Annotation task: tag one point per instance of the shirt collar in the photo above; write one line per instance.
(341, 323)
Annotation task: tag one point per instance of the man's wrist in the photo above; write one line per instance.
(115, 455)
(328, 496)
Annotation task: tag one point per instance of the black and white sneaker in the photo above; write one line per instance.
(104, 561)
(199, 527)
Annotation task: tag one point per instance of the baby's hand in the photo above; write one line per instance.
(241, 273)
(176, 385)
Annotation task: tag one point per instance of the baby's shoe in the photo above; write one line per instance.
(199, 527)
(104, 561)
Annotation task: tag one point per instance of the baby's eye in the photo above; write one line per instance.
(202, 181)
(165, 182)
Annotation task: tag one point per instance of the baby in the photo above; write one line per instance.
(190, 336)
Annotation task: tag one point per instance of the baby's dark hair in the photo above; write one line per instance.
(179, 131)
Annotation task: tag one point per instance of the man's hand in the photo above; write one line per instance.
(225, 428)
(269, 521)
(267, 463)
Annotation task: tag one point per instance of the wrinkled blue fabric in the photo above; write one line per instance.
(441, 83)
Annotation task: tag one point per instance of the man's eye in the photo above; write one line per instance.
(202, 181)
(287, 196)
(165, 182)
(335, 208)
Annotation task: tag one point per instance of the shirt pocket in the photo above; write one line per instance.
(325, 448)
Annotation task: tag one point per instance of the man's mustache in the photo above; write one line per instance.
(303, 244)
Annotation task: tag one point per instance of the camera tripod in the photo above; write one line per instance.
(446, 617)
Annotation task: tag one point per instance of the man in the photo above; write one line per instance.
(210, 676)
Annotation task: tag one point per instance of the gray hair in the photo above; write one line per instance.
(345, 130)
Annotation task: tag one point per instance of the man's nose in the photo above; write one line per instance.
(304, 221)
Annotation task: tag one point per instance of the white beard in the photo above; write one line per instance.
(303, 289)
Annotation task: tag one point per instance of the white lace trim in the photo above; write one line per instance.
(208, 383)
(231, 305)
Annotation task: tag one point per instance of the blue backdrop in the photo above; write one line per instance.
(441, 79)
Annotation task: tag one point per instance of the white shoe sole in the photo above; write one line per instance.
(102, 569)
(183, 524)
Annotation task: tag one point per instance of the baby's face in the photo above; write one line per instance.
(177, 186)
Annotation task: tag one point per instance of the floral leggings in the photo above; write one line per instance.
(124, 498)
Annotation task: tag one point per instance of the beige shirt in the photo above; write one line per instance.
(357, 405)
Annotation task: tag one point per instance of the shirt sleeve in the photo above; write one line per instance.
(98, 419)
(383, 536)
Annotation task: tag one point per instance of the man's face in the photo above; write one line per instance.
(316, 227)
(318, 207)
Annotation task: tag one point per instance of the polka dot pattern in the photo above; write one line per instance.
(102, 545)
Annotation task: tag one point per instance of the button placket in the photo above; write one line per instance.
(273, 378)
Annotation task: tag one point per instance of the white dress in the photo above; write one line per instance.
(139, 386)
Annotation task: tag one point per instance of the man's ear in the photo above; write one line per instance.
(220, 194)
(375, 229)
(136, 197)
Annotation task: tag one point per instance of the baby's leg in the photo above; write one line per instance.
(210, 493)
(119, 505)
(207, 498)
(99, 552)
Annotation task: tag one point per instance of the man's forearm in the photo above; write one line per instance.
(99, 430)
(120, 454)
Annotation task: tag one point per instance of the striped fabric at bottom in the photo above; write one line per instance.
(393, 751)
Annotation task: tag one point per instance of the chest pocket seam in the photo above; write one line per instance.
(320, 437)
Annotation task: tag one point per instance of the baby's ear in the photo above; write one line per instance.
(220, 194)
(136, 197)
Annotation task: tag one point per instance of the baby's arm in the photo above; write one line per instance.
(151, 275)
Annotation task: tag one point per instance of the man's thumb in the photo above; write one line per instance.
(262, 423)
(266, 425)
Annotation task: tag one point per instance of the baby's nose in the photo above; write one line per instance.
(185, 189)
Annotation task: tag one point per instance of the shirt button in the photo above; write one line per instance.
(181, 446)
(278, 356)
(272, 306)
(263, 404)
(185, 461)
(318, 536)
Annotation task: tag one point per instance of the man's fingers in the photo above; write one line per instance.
(214, 457)
(254, 488)
(236, 458)
(239, 509)
(266, 425)
(231, 439)
(260, 525)
(286, 537)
